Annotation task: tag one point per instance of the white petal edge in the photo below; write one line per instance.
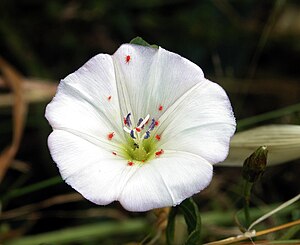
(145, 82)
(92, 171)
(82, 101)
(200, 122)
(166, 181)
(103, 178)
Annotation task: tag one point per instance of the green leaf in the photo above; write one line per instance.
(142, 42)
(190, 210)
(192, 218)
(171, 226)
(191, 215)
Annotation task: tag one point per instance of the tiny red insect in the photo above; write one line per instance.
(157, 137)
(158, 153)
(110, 135)
(130, 163)
(160, 108)
(128, 58)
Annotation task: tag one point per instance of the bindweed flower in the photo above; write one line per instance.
(142, 127)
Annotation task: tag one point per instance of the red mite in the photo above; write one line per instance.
(156, 123)
(128, 58)
(160, 108)
(138, 129)
(109, 97)
(158, 153)
(130, 163)
(114, 153)
(110, 136)
(157, 137)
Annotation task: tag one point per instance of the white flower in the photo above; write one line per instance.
(142, 127)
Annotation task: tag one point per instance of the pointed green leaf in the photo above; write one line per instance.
(142, 42)
(192, 218)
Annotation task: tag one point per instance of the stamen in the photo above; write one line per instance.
(140, 121)
(160, 108)
(128, 121)
(110, 136)
(130, 163)
(158, 153)
(132, 134)
(152, 125)
(127, 130)
(157, 137)
(138, 133)
(109, 97)
(144, 121)
(147, 135)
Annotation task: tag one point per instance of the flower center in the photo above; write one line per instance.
(140, 145)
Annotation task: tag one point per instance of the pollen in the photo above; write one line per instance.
(109, 98)
(157, 137)
(160, 108)
(114, 153)
(128, 58)
(159, 153)
(110, 136)
(130, 163)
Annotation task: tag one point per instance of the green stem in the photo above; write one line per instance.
(247, 192)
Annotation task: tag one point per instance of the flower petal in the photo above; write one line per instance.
(152, 80)
(166, 181)
(87, 101)
(103, 178)
(94, 172)
(200, 122)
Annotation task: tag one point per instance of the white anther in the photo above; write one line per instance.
(127, 130)
(144, 121)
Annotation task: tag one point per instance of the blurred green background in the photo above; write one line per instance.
(251, 48)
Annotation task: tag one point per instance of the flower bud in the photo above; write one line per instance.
(255, 165)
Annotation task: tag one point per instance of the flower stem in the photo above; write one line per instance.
(247, 193)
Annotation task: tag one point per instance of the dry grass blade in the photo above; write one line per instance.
(283, 142)
(14, 81)
(34, 90)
